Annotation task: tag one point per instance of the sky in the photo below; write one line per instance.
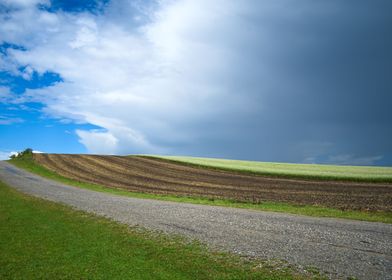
(287, 81)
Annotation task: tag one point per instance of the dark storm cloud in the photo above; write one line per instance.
(323, 83)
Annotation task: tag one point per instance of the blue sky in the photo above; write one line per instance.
(293, 81)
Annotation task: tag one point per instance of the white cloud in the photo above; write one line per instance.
(5, 94)
(141, 84)
(98, 141)
(4, 120)
(24, 3)
(6, 155)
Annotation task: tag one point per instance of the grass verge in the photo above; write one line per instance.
(44, 240)
(28, 164)
(289, 170)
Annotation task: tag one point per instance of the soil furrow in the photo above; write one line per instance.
(158, 176)
(107, 177)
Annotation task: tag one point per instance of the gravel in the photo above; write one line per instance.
(341, 248)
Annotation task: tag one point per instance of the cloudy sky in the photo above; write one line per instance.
(294, 81)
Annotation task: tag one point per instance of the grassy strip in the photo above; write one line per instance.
(288, 170)
(28, 164)
(45, 240)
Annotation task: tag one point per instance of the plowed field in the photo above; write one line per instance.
(161, 177)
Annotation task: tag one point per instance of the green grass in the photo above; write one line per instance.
(44, 240)
(28, 164)
(291, 170)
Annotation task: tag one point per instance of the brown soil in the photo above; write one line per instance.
(162, 177)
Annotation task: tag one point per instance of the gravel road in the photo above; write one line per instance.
(340, 247)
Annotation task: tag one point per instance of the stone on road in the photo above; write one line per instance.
(340, 247)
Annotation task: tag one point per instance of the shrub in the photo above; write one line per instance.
(26, 153)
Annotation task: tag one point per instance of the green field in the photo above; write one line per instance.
(30, 165)
(45, 240)
(310, 171)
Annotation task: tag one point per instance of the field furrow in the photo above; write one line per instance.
(162, 177)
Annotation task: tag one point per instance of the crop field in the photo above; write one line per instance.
(157, 176)
(311, 171)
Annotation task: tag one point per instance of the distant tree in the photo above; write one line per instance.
(28, 151)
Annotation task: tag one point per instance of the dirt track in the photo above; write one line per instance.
(162, 177)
